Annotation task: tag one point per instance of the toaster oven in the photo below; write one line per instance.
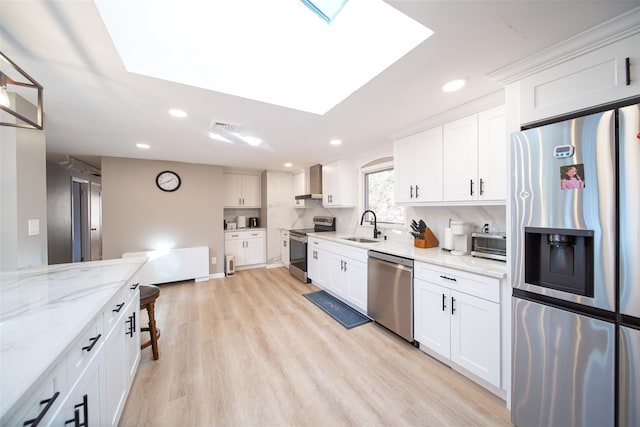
(491, 246)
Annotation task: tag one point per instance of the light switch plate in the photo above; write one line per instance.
(213, 260)
(34, 227)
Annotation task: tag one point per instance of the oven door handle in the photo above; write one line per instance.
(301, 239)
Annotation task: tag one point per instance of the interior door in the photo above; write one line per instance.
(80, 220)
(95, 220)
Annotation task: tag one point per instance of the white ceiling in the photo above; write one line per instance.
(93, 107)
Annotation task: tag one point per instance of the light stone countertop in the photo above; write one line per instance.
(43, 310)
(435, 256)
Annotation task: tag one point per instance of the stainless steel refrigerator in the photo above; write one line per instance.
(576, 271)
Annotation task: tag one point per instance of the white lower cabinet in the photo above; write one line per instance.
(339, 269)
(90, 384)
(457, 317)
(248, 247)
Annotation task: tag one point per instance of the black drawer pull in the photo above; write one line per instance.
(417, 191)
(93, 340)
(132, 325)
(481, 186)
(411, 191)
(134, 286)
(76, 414)
(35, 421)
(444, 302)
(471, 187)
(448, 278)
(118, 308)
(627, 66)
(453, 309)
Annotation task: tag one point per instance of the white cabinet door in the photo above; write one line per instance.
(86, 403)
(235, 248)
(338, 184)
(255, 252)
(460, 151)
(418, 167)
(492, 154)
(475, 336)
(404, 169)
(318, 266)
(337, 284)
(232, 190)
(299, 188)
(241, 191)
(284, 247)
(432, 317)
(356, 286)
(132, 339)
(116, 381)
(250, 191)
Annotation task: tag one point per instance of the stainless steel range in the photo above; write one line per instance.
(298, 245)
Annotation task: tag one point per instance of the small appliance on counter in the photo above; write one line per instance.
(491, 246)
(241, 221)
(231, 226)
(461, 238)
(253, 222)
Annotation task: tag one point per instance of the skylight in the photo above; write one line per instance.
(325, 9)
(276, 52)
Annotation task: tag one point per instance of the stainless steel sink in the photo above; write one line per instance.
(360, 239)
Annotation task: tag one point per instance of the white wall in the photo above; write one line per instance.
(23, 193)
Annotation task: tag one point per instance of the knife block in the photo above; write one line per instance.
(429, 241)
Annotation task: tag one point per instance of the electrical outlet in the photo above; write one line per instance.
(213, 260)
(486, 227)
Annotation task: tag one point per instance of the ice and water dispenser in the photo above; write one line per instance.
(560, 259)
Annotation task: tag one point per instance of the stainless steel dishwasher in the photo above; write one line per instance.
(390, 292)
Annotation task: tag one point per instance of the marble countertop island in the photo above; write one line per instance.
(43, 310)
(436, 256)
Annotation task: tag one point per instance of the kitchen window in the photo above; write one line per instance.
(378, 195)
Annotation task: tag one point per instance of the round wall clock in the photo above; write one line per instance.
(168, 181)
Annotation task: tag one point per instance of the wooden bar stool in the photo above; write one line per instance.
(148, 296)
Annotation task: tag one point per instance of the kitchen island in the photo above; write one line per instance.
(44, 313)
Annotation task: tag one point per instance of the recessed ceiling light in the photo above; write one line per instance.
(178, 113)
(288, 165)
(454, 85)
(143, 146)
(335, 142)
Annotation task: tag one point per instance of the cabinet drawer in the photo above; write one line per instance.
(243, 235)
(84, 349)
(487, 288)
(42, 404)
(354, 253)
(115, 309)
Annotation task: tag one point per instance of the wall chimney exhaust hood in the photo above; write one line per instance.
(313, 184)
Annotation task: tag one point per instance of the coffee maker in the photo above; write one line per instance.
(461, 238)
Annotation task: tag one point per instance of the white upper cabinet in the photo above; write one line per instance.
(461, 159)
(492, 154)
(339, 184)
(418, 167)
(299, 186)
(600, 76)
(241, 191)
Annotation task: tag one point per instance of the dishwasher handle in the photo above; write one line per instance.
(391, 259)
(392, 264)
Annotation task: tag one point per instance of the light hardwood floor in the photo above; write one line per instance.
(249, 350)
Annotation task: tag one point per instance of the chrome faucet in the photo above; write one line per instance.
(376, 233)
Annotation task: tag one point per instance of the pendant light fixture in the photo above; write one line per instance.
(23, 81)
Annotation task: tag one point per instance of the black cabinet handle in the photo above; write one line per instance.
(132, 325)
(93, 340)
(345, 266)
(627, 66)
(134, 286)
(35, 421)
(471, 187)
(481, 186)
(453, 309)
(448, 278)
(417, 191)
(76, 414)
(444, 302)
(118, 308)
(411, 191)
